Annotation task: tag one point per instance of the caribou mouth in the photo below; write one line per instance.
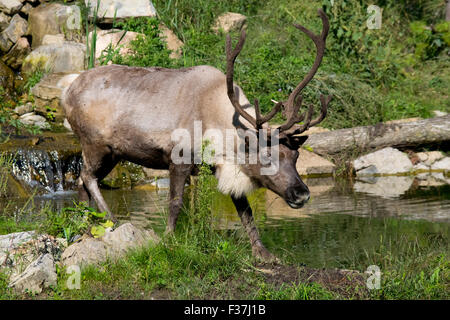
(295, 205)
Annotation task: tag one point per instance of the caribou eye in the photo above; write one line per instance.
(296, 142)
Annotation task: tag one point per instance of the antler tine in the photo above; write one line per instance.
(323, 110)
(231, 58)
(319, 41)
(292, 107)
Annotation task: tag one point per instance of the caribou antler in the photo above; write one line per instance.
(293, 104)
(231, 58)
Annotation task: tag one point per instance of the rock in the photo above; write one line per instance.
(112, 245)
(10, 7)
(173, 43)
(121, 9)
(53, 39)
(40, 274)
(16, 29)
(26, 108)
(48, 91)
(384, 161)
(53, 18)
(14, 58)
(428, 158)
(115, 38)
(127, 237)
(33, 119)
(442, 165)
(66, 57)
(229, 21)
(26, 8)
(13, 240)
(386, 187)
(309, 163)
(6, 78)
(438, 113)
(4, 21)
(87, 251)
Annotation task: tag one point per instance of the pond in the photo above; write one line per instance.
(340, 227)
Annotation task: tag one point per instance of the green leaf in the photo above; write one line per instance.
(97, 231)
(107, 224)
(98, 214)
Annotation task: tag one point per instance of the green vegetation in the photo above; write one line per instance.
(400, 70)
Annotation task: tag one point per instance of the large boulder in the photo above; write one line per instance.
(121, 9)
(385, 161)
(66, 57)
(16, 29)
(112, 245)
(53, 18)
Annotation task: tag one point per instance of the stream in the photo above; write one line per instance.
(339, 225)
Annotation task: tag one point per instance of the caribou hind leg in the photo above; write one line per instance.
(245, 213)
(178, 175)
(97, 163)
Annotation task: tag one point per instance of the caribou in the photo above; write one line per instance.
(128, 113)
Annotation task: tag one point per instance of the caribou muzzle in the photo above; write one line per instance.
(297, 196)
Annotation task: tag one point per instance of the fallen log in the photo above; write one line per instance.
(394, 134)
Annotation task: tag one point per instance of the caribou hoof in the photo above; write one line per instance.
(261, 253)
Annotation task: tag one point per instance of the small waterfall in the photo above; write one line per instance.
(48, 171)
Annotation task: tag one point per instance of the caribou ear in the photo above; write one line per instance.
(296, 142)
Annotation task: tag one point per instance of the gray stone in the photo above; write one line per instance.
(40, 274)
(66, 57)
(386, 161)
(33, 119)
(121, 9)
(13, 240)
(23, 109)
(10, 6)
(229, 21)
(16, 29)
(4, 21)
